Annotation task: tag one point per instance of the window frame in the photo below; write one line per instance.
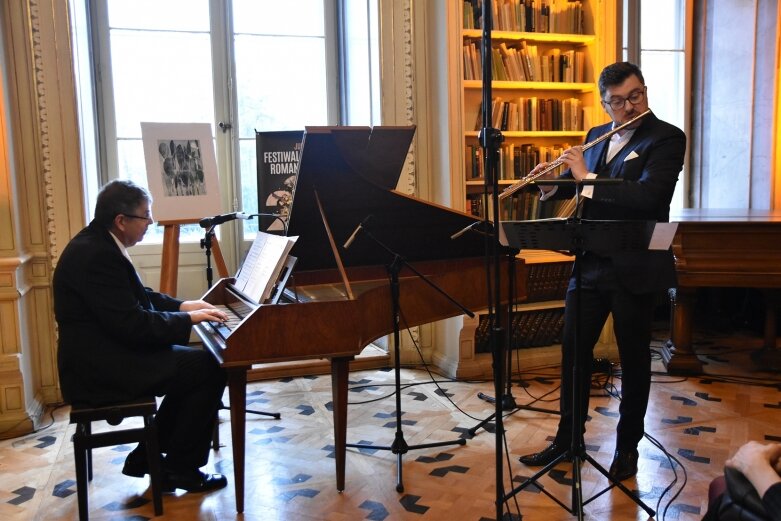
(630, 19)
(228, 141)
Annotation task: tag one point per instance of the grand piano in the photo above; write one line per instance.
(340, 300)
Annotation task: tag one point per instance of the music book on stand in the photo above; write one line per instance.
(262, 267)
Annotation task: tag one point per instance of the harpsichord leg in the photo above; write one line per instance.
(340, 370)
(237, 390)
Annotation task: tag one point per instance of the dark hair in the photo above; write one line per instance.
(616, 74)
(119, 196)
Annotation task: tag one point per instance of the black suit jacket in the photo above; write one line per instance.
(649, 164)
(115, 335)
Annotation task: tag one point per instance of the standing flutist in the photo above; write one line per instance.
(648, 156)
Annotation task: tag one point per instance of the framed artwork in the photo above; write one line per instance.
(181, 170)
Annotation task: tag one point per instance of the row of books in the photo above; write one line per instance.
(520, 61)
(482, 206)
(540, 16)
(531, 114)
(547, 281)
(527, 206)
(523, 206)
(515, 161)
(528, 329)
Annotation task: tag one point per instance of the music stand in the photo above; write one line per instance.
(579, 236)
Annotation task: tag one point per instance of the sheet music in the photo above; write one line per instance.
(263, 264)
(663, 235)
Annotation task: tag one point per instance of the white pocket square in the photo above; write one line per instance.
(631, 155)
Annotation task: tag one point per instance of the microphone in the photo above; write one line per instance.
(277, 216)
(352, 237)
(274, 215)
(475, 227)
(462, 231)
(208, 222)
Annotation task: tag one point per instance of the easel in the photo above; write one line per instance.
(169, 267)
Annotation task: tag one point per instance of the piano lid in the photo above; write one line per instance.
(354, 171)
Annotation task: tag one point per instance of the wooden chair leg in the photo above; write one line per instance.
(216, 434)
(80, 457)
(153, 459)
(87, 434)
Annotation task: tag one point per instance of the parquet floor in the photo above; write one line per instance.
(700, 421)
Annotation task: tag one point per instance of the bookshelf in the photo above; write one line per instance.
(543, 91)
(557, 59)
(539, 320)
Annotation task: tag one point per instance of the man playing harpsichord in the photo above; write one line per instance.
(119, 341)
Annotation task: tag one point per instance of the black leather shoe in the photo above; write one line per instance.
(544, 457)
(136, 465)
(193, 481)
(624, 464)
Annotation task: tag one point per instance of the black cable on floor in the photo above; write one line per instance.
(612, 390)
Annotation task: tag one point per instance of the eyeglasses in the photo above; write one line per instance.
(634, 98)
(147, 218)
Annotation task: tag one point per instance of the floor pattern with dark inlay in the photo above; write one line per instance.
(290, 468)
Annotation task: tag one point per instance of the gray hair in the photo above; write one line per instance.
(119, 196)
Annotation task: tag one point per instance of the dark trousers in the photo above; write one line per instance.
(186, 416)
(601, 295)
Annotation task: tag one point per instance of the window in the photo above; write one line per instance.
(241, 65)
(660, 53)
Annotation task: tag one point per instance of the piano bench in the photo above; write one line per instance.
(84, 441)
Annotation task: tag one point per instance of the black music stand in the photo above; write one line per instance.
(399, 445)
(206, 245)
(579, 236)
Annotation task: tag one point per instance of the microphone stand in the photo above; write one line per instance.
(507, 400)
(490, 139)
(400, 446)
(206, 245)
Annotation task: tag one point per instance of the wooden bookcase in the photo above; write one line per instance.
(532, 102)
(598, 43)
